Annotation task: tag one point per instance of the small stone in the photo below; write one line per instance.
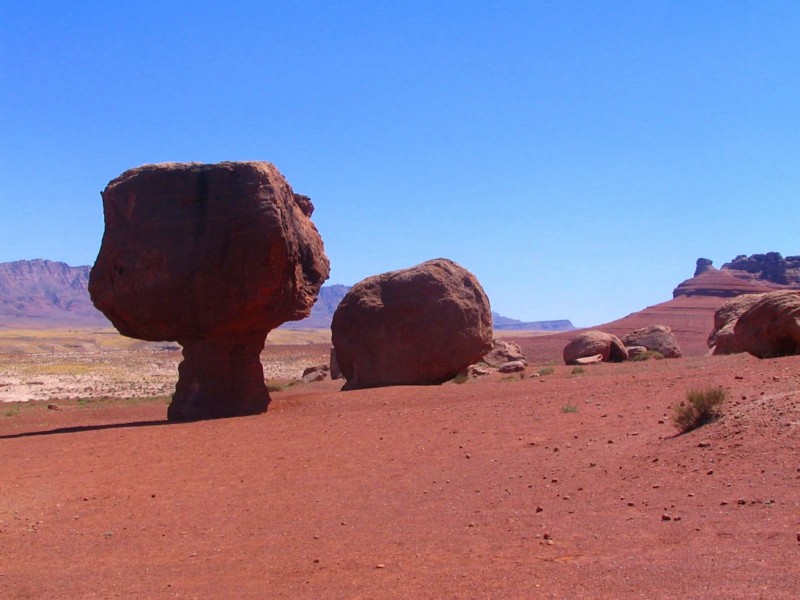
(704, 444)
(666, 517)
(742, 502)
(380, 566)
(53, 407)
(539, 509)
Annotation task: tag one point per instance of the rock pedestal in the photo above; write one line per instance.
(214, 257)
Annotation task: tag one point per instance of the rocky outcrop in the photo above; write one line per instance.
(656, 338)
(771, 327)
(722, 339)
(503, 351)
(592, 343)
(213, 257)
(754, 274)
(416, 326)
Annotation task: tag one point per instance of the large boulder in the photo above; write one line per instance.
(722, 339)
(591, 343)
(416, 326)
(213, 257)
(771, 327)
(656, 338)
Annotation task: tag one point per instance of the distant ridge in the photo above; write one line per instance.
(45, 293)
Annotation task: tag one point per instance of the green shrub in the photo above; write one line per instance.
(547, 371)
(569, 408)
(577, 370)
(648, 354)
(699, 408)
(462, 377)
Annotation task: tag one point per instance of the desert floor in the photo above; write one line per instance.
(557, 485)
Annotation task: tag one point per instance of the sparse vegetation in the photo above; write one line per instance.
(647, 355)
(699, 408)
(546, 371)
(577, 370)
(462, 377)
(569, 408)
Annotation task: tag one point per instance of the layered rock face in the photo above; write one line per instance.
(416, 326)
(743, 275)
(771, 327)
(595, 343)
(213, 257)
(657, 338)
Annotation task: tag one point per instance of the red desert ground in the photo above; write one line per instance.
(553, 482)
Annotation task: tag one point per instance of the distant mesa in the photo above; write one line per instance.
(754, 274)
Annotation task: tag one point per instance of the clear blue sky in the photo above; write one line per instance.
(578, 157)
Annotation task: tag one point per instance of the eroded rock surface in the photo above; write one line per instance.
(771, 327)
(656, 338)
(416, 326)
(591, 343)
(722, 339)
(213, 257)
(503, 351)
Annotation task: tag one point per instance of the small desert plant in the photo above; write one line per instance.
(547, 371)
(577, 370)
(569, 408)
(648, 354)
(462, 377)
(699, 408)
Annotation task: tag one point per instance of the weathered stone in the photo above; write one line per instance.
(771, 327)
(213, 257)
(656, 338)
(595, 359)
(722, 339)
(336, 372)
(503, 352)
(634, 351)
(513, 366)
(315, 373)
(416, 326)
(590, 343)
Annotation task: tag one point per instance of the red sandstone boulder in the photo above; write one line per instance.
(656, 338)
(771, 327)
(416, 326)
(503, 352)
(722, 339)
(213, 257)
(591, 343)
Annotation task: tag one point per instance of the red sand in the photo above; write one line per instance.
(493, 489)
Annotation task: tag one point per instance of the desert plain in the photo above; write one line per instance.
(554, 483)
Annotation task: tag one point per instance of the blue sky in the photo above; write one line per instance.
(578, 157)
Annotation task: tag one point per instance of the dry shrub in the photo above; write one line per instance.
(699, 408)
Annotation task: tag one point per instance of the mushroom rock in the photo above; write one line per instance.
(656, 338)
(590, 343)
(417, 326)
(213, 257)
(722, 339)
(771, 327)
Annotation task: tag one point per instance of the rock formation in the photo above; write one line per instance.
(591, 343)
(771, 327)
(503, 352)
(416, 326)
(213, 257)
(743, 275)
(722, 339)
(656, 338)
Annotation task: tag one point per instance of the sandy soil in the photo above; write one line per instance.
(566, 485)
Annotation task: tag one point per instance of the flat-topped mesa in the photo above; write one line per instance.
(754, 274)
(213, 257)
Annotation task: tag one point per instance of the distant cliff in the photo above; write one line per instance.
(743, 275)
(44, 292)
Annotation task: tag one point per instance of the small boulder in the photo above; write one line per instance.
(589, 360)
(315, 373)
(771, 327)
(416, 326)
(503, 352)
(512, 366)
(656, 338)
(634, 351)
(590, 343)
